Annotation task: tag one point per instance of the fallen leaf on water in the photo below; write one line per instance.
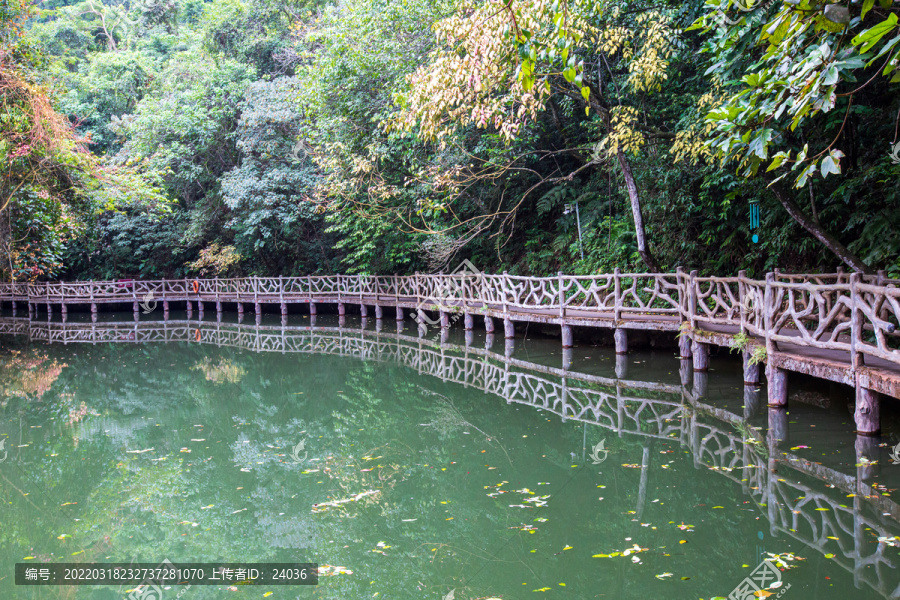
(663, 575)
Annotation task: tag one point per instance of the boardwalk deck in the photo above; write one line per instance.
(840, 327)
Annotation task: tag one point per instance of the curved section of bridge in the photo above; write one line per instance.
(843, 327)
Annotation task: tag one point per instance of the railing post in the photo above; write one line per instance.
(617, 286)
(840, 273)
(769, 314)
(692, 299)
(742, 293)
(856, 326)
(503, 287)
(562, 296)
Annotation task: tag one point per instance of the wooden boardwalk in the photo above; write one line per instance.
(843, 327)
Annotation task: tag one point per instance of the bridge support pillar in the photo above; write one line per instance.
(49, 311)
(701, 356)
(567, 336)
(445, 335)
(684, 346)
(868, 412)
(283, 308)
(134, 309)
(751, 372)
(777, 386)
(190, 309)
(489, 324)
(30, 310)
(508, 347)
(509, 330)
(445, 320)
(470, 338)
(379, 325)
(93, 311)
(258, 318)
(219, 306)
(363, 311)
(621, 366)
(65, 312)
(240, 307)
(621, 337)
(257, 308)
(399, 314)
(701, 384)
(488, 341)
(342, 309)
(379, 312)
(468, 322)
(13, 308)
(342, 320)
(312, 308)
(567, 355)
(200, 309)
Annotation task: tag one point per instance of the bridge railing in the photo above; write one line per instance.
(847, 312)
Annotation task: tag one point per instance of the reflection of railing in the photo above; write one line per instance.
(853, 313)
(650, 410)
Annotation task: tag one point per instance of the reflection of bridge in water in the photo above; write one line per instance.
(718, 439)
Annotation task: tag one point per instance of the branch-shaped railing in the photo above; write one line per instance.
(847, 312)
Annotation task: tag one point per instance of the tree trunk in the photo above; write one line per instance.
(783, 195)
(641, 235)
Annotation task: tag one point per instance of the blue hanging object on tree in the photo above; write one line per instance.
(754, 220)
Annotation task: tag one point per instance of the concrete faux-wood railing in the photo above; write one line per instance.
(843, 327)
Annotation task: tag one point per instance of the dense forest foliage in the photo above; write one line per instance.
(166, 138)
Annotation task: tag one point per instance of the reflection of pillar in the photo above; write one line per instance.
(489, 324)
(14, 308)
(165, 310)
(312, 308)
(860, 543)
(218, 313)
(445, 319)
(189, 307)
(342, 320)
(257, 318)
(470, 337)
(283, 308)
(312, 320)
(866, 452)
(567, 336)
(868, 412)
(64, 309)
(200, 309)
(508, 347)
(219, 307)
(445, 335)
(399, 314)
(621, 338)
(751, 372)
(284, 320)
(379, 312)
(777, 386)
(685, 370)
(363, 323)
(49, 311)
(257, 308)
(752, 401)
(701, 356)
(701, 384)
(695, 439)
(363, 310)
(379, 325)
(621, 366)
(509, 330)
(488, 341)
(399, 326)
(645, 470)
(342, 309)
(567, 355)
(778, 424)
(684, 346)
(468, 322)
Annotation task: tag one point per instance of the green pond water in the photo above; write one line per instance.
(483, 474)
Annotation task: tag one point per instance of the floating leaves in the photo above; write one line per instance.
(324, 506)
(331, 570)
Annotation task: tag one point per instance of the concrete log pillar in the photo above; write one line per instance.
(701, 356)
(684, 346)
(868, 412)
(751, 372)
(400, 315)
(240, 307)
(363, 311)
(685, 370)
(508, 347)
(489, 324)
(509, 330)
(94, 310)
(445, 335)
(777, 386)
(470, 338)
(399, 326)
(49, 311)
(65, 312)
(342, 321)
(218, 316)
(379, 325)
(258, 318)
(621, 366)
(200, 309)
(284, 321)
(219, 306)
(30, 310)
(14, 307)
(621, 337)
(468, 322)
(379, 312)
(257, 308)
(445, 320)
(342, 309)
(190, 309)
(283, 308)
(567, 336)
(312, 320)
(363, 323)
